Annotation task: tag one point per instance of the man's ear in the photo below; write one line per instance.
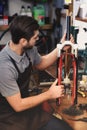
(23, 41)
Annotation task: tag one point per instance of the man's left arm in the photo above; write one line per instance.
(47, 60)
(50, 58)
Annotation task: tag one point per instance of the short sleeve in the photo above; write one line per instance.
(8, 84)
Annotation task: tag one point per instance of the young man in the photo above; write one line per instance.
(18, 111)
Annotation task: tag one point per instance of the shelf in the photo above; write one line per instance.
(80, 19)
(44, 27)
(3, 27)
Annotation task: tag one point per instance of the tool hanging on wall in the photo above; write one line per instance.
(65, 58)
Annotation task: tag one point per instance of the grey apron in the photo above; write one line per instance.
(31, 119)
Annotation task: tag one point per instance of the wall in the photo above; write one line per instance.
(76, 6)
(14, 6)
(82, 35)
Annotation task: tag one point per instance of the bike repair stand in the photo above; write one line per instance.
(73, 54)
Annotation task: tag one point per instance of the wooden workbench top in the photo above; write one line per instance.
(65, 103)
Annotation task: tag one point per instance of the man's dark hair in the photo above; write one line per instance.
(23, 27)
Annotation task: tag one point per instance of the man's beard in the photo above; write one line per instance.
(26, 48)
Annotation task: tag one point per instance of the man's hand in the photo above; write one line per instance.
(64, 38)
(56, 91)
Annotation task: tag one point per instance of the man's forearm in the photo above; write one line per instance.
(33, 101)
(48, 60)
(20, 104)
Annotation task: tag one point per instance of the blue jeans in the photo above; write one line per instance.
(56, 124)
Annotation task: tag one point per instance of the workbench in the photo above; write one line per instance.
(65, 103)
